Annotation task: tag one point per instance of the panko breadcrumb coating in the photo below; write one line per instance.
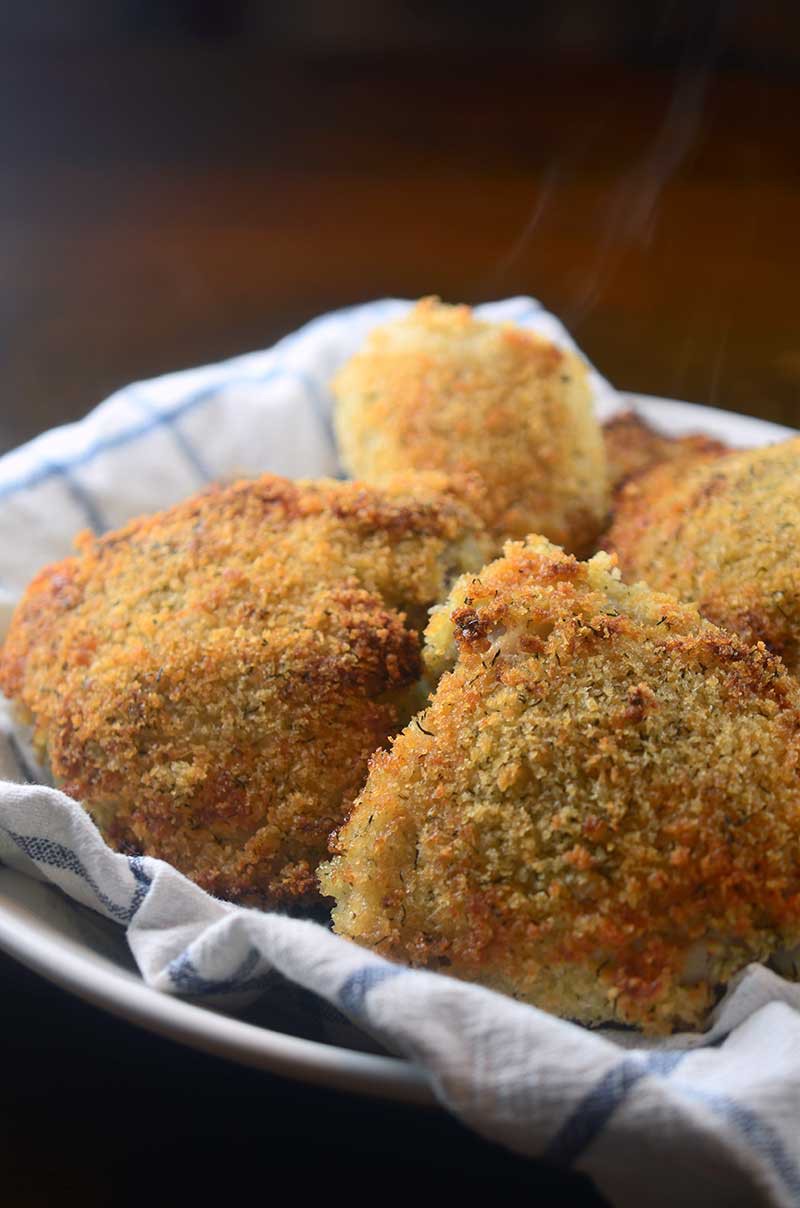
(598, 813)
(211, 681)
(632, 447)
(441, 390)
(725, 534)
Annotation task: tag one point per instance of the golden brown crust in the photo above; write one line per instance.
(632, 447)
(599, 810)
(725, 535)
(212, 680)
(440, 390)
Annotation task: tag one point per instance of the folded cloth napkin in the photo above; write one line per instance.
(692, 1119)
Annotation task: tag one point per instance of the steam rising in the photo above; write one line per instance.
(628, 214)
(631, 210)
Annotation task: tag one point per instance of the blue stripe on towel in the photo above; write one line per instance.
(186, 978)
(761, 1136)
(143, 883)
(190, 455)
(51, 469)
(85, 501)
(55, 855)
(598, 1106)
(356, 987)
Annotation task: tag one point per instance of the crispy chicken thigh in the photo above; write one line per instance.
(599, 811)
(211, 681)
(442, 390)
(723, 533)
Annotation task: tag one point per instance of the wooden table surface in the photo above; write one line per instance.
(163, 208)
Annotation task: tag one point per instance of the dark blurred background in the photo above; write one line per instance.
(184, 180)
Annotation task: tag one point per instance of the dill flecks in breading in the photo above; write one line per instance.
(442, 390)
(211, 681)
(725, 534)
(604, 818)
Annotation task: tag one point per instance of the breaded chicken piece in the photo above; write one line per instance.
(211, 681)
(441, 390)
(725, 535)
(632, 447)
(598, 813)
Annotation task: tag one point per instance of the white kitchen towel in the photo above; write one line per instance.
(694, 1119)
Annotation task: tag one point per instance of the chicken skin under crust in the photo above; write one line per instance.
(725, 534)
(211, 681)
(599, 811)
(442, 390)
